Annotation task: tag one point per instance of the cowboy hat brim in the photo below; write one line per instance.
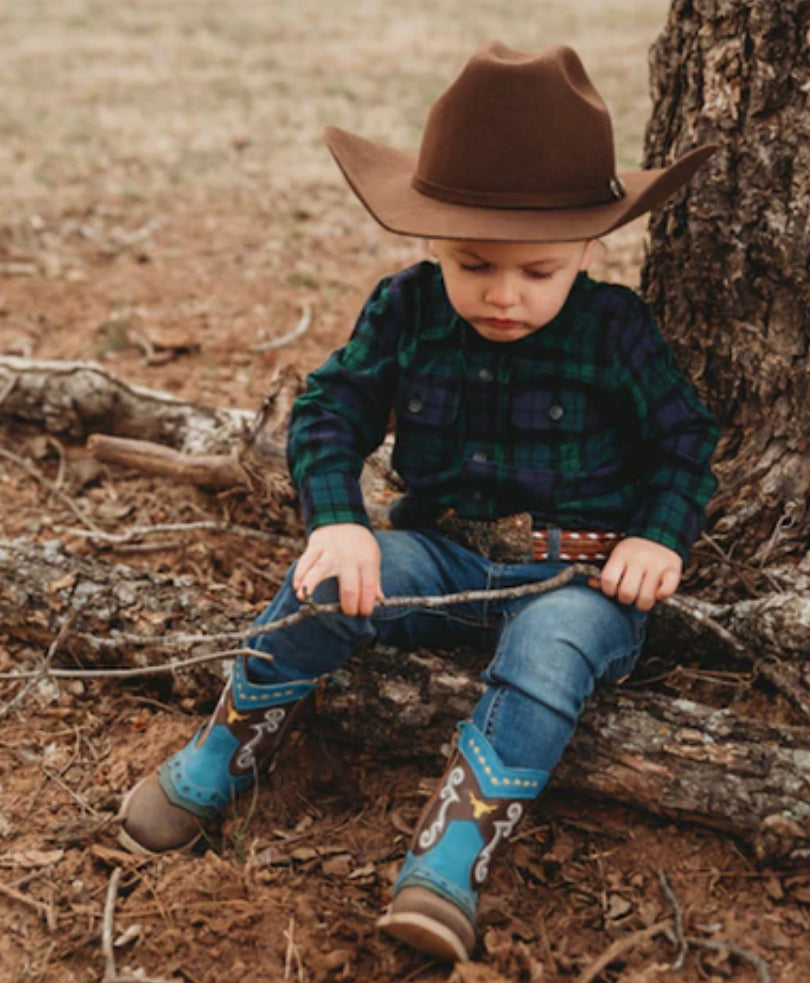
(381, 178)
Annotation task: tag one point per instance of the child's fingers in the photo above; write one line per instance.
(317, 570)
(350, 590)
(630, 585)
(668, 584)
(305, 563)
(647, 592)
(370, 591)
(360, 587)
(612, 573)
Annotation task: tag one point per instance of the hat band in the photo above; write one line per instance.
(580, 198)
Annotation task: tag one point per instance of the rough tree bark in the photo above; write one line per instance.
(668, 756)
(729, 265)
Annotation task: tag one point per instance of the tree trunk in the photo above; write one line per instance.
(667, 756)
(728, 270)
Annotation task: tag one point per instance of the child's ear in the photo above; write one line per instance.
(431, 248)
(587, 256)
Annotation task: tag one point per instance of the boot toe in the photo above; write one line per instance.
(429, 923)
(150, 823)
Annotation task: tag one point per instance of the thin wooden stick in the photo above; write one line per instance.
(51, 488)
(214, 470)
(286, 339)
(684, 941)
(683, 948)
(208, 525)
(619, 947)
(39, 906)
(43, 671)
(107, 927)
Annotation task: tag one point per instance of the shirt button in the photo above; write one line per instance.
(477, 496)
(486, 375)
(556, 412)
(414, 405)
(479, 457)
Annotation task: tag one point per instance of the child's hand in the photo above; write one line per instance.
(349, 552)
(641, 572)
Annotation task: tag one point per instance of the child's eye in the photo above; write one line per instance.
(474, 267)
(537, 275)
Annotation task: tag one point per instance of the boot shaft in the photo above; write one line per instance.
(471, 815)
(248, 726)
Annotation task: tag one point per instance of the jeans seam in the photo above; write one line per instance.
(493, 711)
(619, 655)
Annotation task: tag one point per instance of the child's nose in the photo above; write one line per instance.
(502, 292)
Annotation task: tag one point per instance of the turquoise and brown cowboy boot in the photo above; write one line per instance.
(469, 818)
(167, 809)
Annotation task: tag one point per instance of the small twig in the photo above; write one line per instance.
(292, 953)
(58, 780)
(212, 525)
(619, 947)
(41, 673)
(692, 610)
(49, 486)
(254, 801)
(786, 679)
(39, 906)
(286, 339)
(146, 346)
(678, 916)
(156, 670)
(792, 514)
(684, 941)
(60, 453)
(107, 925)
(739, 567)
(8, 388)
(756, 961)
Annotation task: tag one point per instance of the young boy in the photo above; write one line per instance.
(540, 420)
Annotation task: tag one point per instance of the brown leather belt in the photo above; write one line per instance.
(585, 545)
(513, 540)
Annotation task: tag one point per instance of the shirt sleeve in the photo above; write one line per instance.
(677, 438)
(343, 414)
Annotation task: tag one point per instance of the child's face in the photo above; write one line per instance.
(507, 290)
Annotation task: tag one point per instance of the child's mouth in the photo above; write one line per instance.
(501, 324)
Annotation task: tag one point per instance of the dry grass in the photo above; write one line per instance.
(133, 101)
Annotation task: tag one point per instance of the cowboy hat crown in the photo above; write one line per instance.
(519, 147)
(520, 132)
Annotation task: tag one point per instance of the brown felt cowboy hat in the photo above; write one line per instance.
(519, 148)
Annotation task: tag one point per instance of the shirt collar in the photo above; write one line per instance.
(443, 320)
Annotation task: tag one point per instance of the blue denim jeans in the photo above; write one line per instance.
(548, 651)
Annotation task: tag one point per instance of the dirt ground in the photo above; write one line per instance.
(169, 212)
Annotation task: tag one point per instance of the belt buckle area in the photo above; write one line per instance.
(505, 540)
(513, 539)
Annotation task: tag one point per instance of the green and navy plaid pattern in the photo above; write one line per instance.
(587, 423)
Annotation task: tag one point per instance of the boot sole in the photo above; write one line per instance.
(132, 845)
(425, 934)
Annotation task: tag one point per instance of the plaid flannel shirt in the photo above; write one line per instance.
(587, 423)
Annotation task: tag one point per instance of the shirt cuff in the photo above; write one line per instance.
(671, 522)
(327, 499)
